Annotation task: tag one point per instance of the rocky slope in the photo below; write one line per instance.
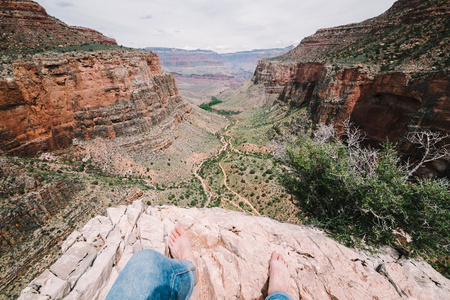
(26, 27)
(389, 74)
(233, 251)
(48, 99)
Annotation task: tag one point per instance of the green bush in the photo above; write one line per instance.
(372, 205)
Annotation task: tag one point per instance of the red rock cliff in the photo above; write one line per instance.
(47, 100)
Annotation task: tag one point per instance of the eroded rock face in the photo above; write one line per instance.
(49, 99)
(233, 252)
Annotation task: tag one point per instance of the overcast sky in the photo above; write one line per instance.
(219, 25)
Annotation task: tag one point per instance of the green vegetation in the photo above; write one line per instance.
(361, 196)
(207, 106)
(89, 48)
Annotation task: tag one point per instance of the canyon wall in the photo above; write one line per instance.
(48, 99)
(31, 211)
(382, 105)
(373, 74)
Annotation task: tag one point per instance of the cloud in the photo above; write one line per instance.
(224, 26)
(64, 4)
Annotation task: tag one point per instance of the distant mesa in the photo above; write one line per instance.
(233, 68)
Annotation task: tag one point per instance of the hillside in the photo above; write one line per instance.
(26, 28)
(410, 36)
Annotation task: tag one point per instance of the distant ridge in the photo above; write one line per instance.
(239, 65)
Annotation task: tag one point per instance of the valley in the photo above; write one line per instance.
(98, 142)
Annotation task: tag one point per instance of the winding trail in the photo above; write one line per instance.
(205, 186)
(235, 193)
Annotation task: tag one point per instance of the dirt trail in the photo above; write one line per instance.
(205, 186)
(235, 193)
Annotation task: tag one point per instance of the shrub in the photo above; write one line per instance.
(362, 193)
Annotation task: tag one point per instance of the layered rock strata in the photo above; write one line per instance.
(233, 252)
(382, 105)
(48, 99)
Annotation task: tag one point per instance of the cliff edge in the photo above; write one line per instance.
(233, 252)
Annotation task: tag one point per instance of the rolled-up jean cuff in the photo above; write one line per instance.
(189, 268)
(279, 296)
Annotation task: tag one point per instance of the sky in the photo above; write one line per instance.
(222, 26)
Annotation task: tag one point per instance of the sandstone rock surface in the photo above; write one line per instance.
(233, 251)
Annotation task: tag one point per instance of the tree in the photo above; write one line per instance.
(433, 145)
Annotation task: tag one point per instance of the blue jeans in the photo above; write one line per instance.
(151, 275)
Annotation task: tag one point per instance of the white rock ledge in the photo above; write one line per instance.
(233, 252)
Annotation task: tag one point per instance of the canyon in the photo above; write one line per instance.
(101, 148)
(202, 74)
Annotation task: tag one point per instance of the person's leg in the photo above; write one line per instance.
(151, 275)
(278, 278)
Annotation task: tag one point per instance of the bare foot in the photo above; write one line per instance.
(180, 247)
(279, 274)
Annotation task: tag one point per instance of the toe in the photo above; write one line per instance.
(274, 255)
(179, 229)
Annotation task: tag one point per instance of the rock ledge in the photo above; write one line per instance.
(233, 251)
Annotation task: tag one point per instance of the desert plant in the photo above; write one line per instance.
(362, 196)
